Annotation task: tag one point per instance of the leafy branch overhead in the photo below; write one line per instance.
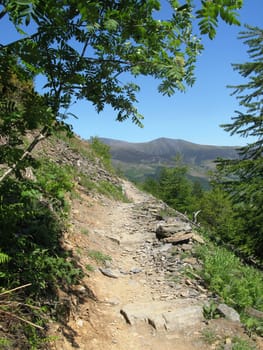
(82, 48)
(212, 10)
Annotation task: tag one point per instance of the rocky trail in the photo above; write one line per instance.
(136, 294)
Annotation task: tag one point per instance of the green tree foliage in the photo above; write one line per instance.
(22, 110)
(152, 186)
(210, 12)
(243, 178)
(175, 189)
(102, 151)
(32, 211)
(217, 215)
(32, 224)
(91, 50)
(214, 206)
(237, 284)
(83, 47)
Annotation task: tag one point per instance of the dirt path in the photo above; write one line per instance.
(135, 308)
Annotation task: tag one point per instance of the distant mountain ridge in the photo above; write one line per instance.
(139, 160)
(165, 149)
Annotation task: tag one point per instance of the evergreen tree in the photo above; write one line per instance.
(175, 188)
(243, 178)
(217, 215)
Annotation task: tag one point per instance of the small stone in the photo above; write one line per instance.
(165, 247)
(198, 238)
(186, 247)
(201, 289)
(135, 270)
(228, 341)
(185, 293)
(112, 301)
(79, 322)
(78, 289)
(228, 347)
(191, 261)
(108, 263)
(108, 273)
(254, 313)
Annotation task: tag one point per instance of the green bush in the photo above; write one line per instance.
(4, 258)
(98, 256)
(85, 181)
(55, 181)
(111, 190)
(217, 215)
(241, 344)
(239, 285)
(101, 151)
(32, 216)
(104, 187)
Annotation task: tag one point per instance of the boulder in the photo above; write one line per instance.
(164, 229)
(228, 312)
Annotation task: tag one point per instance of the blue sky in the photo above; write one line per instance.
(194, 115)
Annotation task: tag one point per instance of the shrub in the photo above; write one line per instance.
(240, 286)
(98, 256)
(32, 216)
(101, 151)
(111, 190)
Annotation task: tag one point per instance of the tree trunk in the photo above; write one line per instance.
(41, 136)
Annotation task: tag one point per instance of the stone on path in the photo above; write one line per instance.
(178, 315)
(178, 238)
(165, 229)
(108, 273)
(228, 312)
(183, 318)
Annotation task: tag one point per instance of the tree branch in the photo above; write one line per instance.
(41, 136)
(3, 13)
(84, 48)
(33, 36)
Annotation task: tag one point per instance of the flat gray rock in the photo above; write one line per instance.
(162, 315)
(178, 238)
(228, 312)
(108, 273)
(183, 318)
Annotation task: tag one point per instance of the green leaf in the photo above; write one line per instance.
(111, 25)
